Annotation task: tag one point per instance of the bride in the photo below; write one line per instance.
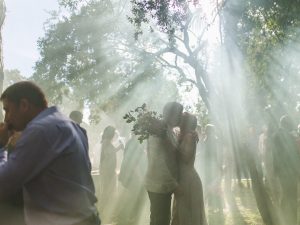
(189, 205)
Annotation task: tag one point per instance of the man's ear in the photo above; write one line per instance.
(24, 105)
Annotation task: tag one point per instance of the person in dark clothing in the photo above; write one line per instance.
(77, 117)
(286, 168)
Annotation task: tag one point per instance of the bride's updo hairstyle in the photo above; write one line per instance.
(188, 122)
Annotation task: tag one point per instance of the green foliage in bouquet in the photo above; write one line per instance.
(146, 123)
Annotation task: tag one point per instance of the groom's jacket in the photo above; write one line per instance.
(162, 173)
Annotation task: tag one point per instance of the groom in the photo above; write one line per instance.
(162, 174)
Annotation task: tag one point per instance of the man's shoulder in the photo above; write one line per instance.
(48, 122)
(83, 130)
(52, 116)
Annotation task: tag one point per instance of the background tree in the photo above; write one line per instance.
(182, 26)
(267, 33)
(257, 34)
(264, 31)
(88, 57)
(2, 18)
(12, 76)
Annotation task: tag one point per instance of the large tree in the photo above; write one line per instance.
(90, 58)
(2, 18)
(182, 26)
(267, 33)
(255, 34)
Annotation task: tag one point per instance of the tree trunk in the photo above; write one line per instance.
(230, 18)
(2, 18)
(203, 92)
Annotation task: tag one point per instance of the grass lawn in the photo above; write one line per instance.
(239, 209)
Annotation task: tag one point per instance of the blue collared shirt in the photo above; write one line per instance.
(50, 163)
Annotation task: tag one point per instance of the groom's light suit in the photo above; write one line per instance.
(162, 175)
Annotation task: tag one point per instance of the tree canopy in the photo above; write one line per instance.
(86, 58)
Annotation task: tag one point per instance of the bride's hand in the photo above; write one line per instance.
(178, 191)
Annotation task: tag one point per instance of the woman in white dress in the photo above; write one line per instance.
(189, 205)
(108, 176)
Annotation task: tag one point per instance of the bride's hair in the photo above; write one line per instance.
(188, 121)
(108, 133)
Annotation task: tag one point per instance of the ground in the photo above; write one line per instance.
(240, 210)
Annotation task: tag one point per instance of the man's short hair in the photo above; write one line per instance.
(76, 116)
(171, 108)
(25, 90)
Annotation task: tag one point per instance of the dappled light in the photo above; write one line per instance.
(189, 113)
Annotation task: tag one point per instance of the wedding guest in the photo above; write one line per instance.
(49, 162)
(286, 168)
(162, 174)
(108, 174)
(189, 208)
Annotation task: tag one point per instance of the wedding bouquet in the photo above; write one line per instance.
(146, 123)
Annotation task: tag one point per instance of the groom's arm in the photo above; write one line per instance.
(157, 127)
(159, 177)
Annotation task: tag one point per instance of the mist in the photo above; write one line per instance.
(232, 64)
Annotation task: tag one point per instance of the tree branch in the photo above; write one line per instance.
(180, 71)
(186, 38)
(213, 19)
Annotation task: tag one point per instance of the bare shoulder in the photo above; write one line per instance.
(191, 137)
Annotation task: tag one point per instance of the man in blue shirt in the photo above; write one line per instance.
(49, 162)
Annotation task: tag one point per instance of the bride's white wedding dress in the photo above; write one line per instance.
(189, 207)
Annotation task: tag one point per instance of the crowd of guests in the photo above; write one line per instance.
(169, 170)
(121, 195)
(272, 153)
(180, 171)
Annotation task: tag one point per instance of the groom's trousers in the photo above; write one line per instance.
(160, 208)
